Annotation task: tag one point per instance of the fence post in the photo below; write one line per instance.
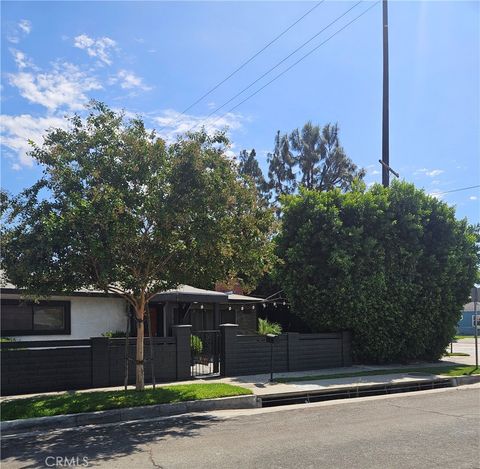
(346, 348)
(100, 362)
(292, 349)
(228, 338)
(183, 355)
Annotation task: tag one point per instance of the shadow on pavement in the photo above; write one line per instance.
(98, 443)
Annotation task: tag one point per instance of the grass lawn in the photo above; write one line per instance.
(464, 337)
(76, 402)
(449, 370)
(456, 354)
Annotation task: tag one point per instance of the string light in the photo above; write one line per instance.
(201, 306)
(241, 308)
(229, 308)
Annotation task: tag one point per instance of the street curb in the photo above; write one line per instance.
(127, 414)
(463, 380)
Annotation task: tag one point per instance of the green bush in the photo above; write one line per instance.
(393, 265)
(7, 339)
(265, 327)
(196, 344)
(114, 334)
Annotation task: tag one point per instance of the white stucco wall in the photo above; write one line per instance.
(90, 317)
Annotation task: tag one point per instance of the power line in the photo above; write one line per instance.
(283, 60)
(293, 65)
(455, 190)
(250, 59)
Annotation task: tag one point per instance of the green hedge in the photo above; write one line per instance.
(393, 265)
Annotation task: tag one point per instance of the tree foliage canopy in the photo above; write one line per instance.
(392, 265)
(119, 210)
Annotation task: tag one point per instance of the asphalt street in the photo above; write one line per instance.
(431, 429)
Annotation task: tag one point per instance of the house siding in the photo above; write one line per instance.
(465, 325)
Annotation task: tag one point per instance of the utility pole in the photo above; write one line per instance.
(385, 125)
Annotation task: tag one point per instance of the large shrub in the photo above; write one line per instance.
(392, 265)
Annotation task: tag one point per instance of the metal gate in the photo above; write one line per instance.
(205, 350)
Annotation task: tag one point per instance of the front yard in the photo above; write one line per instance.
(77, 402)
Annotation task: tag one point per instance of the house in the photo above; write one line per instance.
(466, 325)
(90, 313)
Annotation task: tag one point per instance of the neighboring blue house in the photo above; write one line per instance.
(466, 325)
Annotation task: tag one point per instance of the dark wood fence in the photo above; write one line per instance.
(45, 366)
(59, 365)
(250, 354)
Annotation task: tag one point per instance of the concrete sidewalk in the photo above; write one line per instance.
(463, 346)
(260, 385)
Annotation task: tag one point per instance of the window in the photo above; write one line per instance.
(478, 320)
(27, 318)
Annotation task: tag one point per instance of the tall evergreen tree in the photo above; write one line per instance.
(248, 167)
(307, 143)
(280, 171)
(321, 159)
(317, 155)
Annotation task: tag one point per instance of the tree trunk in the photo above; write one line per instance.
(139, 370)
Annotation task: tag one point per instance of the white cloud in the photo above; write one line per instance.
(21, 59)
(16, 131)
(19, 31)
(25, 26)
(473, 197)
(99, 48)
(429, 172)
(64, 86)
(128, 80)
(434, 172)
(174, 123)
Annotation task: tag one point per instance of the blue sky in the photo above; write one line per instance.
(156, 58)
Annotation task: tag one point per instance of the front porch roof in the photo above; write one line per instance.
(189, 294)
(235, 297)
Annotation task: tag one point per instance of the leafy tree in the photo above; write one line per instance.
(248, 167)
(119, 210)
(321, 159)
(393, 265)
